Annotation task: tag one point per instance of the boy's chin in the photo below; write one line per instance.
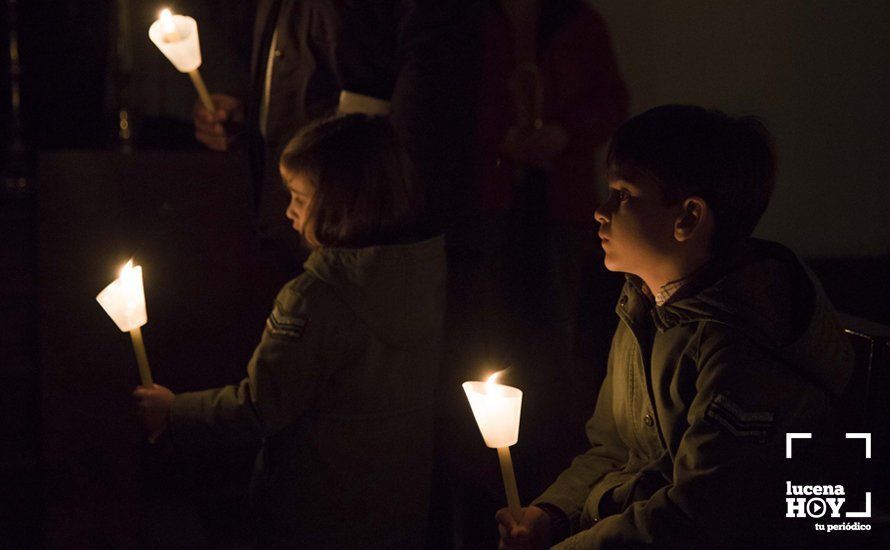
(611, 265)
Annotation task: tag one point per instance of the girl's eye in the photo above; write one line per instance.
(621, 194)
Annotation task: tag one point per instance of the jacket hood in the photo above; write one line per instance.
(398, 291)
(765, 291)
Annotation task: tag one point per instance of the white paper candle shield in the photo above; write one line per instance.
(124, 299)
(184, 53)
(497, 409)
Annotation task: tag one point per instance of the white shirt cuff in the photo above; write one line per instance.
(351, 102)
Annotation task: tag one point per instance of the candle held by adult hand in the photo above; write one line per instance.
(177, 38)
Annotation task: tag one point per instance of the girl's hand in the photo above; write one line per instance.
(154, 407)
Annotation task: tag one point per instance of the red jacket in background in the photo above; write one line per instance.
(583, 92)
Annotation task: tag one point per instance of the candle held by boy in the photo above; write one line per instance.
(497, 409)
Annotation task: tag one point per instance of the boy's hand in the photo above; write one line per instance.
(216, 129)
(154, 407)
(531, 533)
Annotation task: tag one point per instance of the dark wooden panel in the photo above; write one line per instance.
(185, 217)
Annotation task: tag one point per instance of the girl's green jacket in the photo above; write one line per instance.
(340, 390)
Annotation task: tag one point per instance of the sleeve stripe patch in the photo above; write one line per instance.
(730, 424)
(292, 327)
(718, 410)
(727, 405)
(736, 421)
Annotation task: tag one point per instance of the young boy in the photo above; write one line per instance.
(725, 343)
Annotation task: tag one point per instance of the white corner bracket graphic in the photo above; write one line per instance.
(866, 513)
(794, 435)
(866, 437)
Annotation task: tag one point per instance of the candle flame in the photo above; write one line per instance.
(167, 23)
(491, 384)
(127, 269)
(130, 283)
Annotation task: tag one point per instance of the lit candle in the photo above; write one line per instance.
(497, 408)
(124, 301)
(168, 26)
(177, 38)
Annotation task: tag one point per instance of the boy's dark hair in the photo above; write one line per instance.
(364, 192)
(687, 150)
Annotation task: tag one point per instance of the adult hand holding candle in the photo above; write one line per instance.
(177, 38)
(124, 301)
(497, 408)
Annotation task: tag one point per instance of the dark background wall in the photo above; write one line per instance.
(816, 71)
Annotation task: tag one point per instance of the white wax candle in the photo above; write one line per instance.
(497, 409)
(177, 38)
(124, 301)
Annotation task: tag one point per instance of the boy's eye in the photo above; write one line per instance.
(621, 194)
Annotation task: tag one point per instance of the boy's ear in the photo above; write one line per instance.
(693, 219)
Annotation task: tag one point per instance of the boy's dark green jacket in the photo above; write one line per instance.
(340, 389)
(688, 435)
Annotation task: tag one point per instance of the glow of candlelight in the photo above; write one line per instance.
(124, 298)
(168, 25)
(177, 38)
(496, 408)
(491, 385)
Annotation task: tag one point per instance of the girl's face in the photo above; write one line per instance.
(301, 193)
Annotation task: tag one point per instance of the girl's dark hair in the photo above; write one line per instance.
(364, 192)
(686, 150)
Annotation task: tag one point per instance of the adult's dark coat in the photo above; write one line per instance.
(412, 53)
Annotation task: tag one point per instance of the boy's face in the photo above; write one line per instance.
(301, 193)
(637, 228)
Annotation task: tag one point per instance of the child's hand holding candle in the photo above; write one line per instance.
(154, 407)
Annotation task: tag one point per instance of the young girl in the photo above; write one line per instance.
(340, 387)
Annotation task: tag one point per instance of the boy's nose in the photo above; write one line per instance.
(600, 215)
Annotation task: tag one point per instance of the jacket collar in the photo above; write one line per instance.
(636, 301)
